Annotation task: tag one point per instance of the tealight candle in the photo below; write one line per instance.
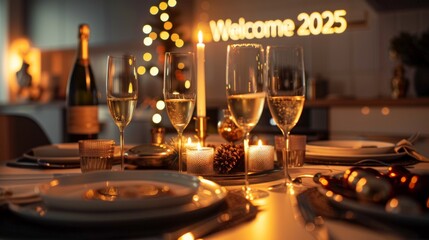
(190, 144)
(200, 160)
(187, 145)
(261, 157)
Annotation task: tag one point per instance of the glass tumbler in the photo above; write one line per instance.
(96, 154)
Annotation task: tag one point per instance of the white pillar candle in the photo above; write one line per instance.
(201, 79)
(200, 160)
(261, 157)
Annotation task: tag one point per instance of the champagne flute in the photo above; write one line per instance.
(179, 92)
(122, 90)
(246, 96)
(285, 93)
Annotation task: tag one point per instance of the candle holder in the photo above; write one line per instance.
(201, 129)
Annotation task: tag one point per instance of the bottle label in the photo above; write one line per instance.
(82, 120)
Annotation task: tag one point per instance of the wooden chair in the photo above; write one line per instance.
(18, 134)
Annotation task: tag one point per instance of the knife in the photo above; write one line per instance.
(30, 163)
(239, 210)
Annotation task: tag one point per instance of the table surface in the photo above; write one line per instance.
(276, 218)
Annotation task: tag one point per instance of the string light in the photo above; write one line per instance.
(174, 37)
(154, 71)
(154, 10)
(160, 105)
(156, 118)
(153, 35)
(179, 43)
(147, 28)
(180, 65)
(168, 25)
(141, 70)
(163, 34)
(147, 57)
(163, 6)
(147, 41)
(164, 17)
(187, 84)
(172, 3)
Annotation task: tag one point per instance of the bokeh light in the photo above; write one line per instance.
(163, 6)
(153, 35)
(147, 28)
(147, 41)
(154, 71)
(141, 70)
(179, 43)
(164, 17)
(160, 105)
(180, 65)
(164, 35)
(168, 25)
(174, 37)
(187, 84)
(147, 57)
(156, 118)
(154, 10)
(172, 3)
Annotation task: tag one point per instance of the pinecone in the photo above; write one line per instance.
(229, 158)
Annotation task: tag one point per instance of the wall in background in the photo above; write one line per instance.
(356, 63)
(3, 46)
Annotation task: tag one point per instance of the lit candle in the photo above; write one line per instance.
(201, 85)
(261, 157)
(190, 144)
(200, 160)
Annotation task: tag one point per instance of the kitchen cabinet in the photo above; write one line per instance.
(377, 119)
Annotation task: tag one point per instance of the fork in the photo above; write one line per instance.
(413, 137)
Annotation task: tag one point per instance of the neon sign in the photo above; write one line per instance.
(316, 23)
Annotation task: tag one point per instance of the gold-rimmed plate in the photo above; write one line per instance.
(63, 152)
(208, 197)
(107, 191)
(350, 147)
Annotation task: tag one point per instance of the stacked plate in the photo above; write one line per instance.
(64, 152)
(350, 150)
(112, 197)
(62, 155)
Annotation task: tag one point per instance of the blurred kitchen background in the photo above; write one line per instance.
(349, 74)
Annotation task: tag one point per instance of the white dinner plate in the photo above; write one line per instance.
(209, 196)
(377, 210)
(63, 152)
(350, 147)
(350, 158)
(129, 190)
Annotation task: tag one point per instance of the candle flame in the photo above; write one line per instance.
(200, 37)
(199, 146)
(130, 88)
(189, 140)
(259, 142)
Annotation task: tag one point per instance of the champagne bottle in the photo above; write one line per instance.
(82, 99)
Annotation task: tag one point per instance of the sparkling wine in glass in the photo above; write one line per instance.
(285, 92)
(122, 90)
(179, 93)
(245, 97)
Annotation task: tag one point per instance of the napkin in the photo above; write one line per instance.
(406, 146)
(57, 150)
(315, 208)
